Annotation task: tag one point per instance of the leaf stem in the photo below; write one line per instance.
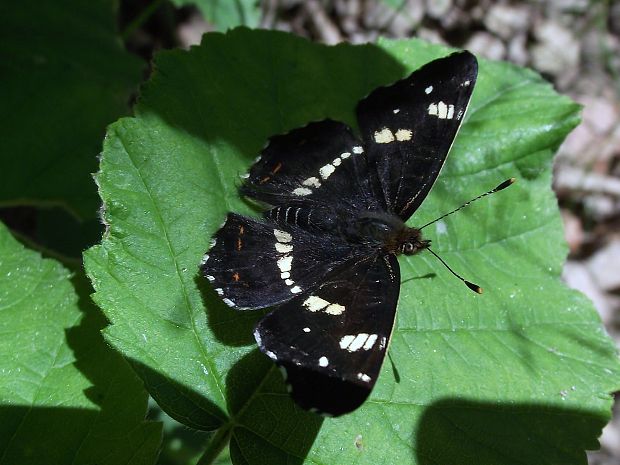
(216, 445)
(140, 19)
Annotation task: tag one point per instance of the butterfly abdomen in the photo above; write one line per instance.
(315, 219)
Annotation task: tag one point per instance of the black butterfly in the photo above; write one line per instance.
(324, 255)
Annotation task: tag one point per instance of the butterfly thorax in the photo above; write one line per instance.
(385, 231)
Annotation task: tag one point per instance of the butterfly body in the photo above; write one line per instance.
(323, 256)
(375, 231)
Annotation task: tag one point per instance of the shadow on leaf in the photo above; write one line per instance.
(180, 402)
(272, 424)
(464, 432)
(245, 86)
(230, 327)
(103, 432)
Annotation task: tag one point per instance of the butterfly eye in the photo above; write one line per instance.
(408, 248)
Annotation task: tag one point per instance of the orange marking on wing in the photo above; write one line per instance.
(241, 229)
(276, 168)
(264, 180)
(236, 276)
(238, 243)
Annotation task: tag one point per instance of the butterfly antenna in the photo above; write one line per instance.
(469, 284)
(503, 185)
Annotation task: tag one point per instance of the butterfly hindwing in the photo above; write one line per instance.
(255, 264)
(408, 127)
(332, 342)
(313, 164)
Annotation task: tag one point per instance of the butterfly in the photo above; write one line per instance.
(324, 254)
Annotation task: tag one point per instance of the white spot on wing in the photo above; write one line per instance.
(306, 330)
(335, 309)
(271, 355)
(403, 135)
(210, 278)
(384, 136)
(358, 149)
(228, 302)
(395, 110)
(346, 340)
(284, 264)
(313, 181)
(285, 275)
(295, 289)
(466, 83)
(219, 291)
(289, 282)
(282, 236)
(442, 110)
(354, 342)
(428, 90)
(326, 171)
(364, 377)
(283, 248)
(358, 342)
(337, 162)
(323, 361)
(301, 191)
(345, 155)
(315, 303)
(257, 337)
(370, 342)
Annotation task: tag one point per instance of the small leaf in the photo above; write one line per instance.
(528, 358)
(65, 397)
(65, 77)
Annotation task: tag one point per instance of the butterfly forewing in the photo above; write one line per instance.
(316, 164)
(408, 127)
(332, 342)
(255, 264)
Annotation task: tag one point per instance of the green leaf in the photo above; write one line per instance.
(523, 369)
(226, 14)
(65, 396)
(65, 77)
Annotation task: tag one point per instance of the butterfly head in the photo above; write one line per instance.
(410, 242)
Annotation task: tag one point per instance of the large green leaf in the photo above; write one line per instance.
(65, 396)
(65, 77)
(523, 369)
(226, 14)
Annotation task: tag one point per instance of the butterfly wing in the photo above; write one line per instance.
(408, 127)
(331, 343)
(318, 163)
(255, 264)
